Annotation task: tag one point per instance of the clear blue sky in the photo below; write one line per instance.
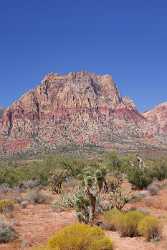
(126, 38)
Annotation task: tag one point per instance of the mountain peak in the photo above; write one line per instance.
(75, 108)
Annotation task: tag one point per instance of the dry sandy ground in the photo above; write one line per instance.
(37, 223)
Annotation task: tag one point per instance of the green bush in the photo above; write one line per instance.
(134, 223)
(77, 237)
(149, 227)
(14, 174)
(128, 225)
(140, 178)
(124, 222)
(159, 170)
(113, 217)
(113, 163)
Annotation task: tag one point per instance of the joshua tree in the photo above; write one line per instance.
(91, 194)
(86, 202)
(140, 162)
(101, 180)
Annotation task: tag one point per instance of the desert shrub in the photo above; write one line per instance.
(80, 236)
(140, 178)
(149, 227)
(113, 217)
(127, 162)
(114, 182)
(133, 223)
(56, 180)
(64, 201)
(74, 166)
(40, 169)
(153, 188)
(36, 197)
(6, 206)
(4, 188)
(24, 204)
(29, 184)
(119, 198)
(15, 176)
(159, 170)
(128, 224)
(7, 233)
(113, 162)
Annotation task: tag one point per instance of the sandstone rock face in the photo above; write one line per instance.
(1, 111)
(76, 108)
(157, 119)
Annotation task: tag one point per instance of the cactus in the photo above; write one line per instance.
(114, 183)
(101, 180)
(82, 211)
(118, 198)
(85, 202)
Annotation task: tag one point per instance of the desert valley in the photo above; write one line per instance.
(78, 159)
(83, 125)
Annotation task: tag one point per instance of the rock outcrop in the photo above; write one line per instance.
(77, 108)
(1, 111)
(157, 119)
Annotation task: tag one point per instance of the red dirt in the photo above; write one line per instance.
(35, 224)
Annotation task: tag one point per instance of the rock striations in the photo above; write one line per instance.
(79, 109)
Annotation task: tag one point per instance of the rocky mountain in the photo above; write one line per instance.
(79, 109)
(158, 118)
(1, 111)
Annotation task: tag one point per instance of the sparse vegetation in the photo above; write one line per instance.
(91, 187)
(56, 180)
(134, 223)
(158, 169)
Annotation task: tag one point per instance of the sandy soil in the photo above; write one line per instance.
(35, 224)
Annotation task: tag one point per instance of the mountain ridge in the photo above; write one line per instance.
(79, 108)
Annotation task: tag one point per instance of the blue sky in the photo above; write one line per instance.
(127, 39)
